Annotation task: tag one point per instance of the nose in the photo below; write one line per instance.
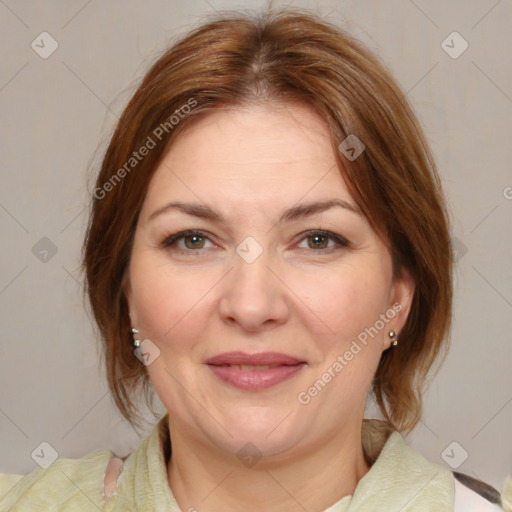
(254, 295)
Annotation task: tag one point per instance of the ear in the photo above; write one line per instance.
(402, 296)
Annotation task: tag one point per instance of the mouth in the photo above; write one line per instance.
(250, 367)
(254, 372)
(271, 359)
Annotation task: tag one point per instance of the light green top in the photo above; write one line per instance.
(399, 479)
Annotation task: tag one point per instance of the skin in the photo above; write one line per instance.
(251, 163)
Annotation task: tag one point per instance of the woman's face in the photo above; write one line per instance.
(304, 293)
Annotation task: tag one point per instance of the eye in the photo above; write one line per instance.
(320, 240)
(192, 240)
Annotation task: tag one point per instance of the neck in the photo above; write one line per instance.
(202, 478)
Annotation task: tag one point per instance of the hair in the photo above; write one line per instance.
(280, 56)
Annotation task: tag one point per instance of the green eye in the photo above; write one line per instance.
(319, 240)
(192, 240)
(196, 241)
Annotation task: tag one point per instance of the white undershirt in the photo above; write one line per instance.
(467, 500)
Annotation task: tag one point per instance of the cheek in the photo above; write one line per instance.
(168, 303)
(351, 305)
(341, 304)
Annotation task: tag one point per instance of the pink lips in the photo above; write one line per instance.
(232, 368)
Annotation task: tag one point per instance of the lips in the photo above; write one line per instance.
(254, 372)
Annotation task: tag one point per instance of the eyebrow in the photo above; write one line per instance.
(297, 212)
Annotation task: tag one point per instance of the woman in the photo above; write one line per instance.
(268, 243)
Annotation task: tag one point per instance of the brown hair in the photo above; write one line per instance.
(281, 56)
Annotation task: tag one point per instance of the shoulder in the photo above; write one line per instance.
(66, 485)
(416, 482)
(473, 495)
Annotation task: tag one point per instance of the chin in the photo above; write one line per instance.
(262, 427)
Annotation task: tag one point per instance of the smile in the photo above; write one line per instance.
(255, 378)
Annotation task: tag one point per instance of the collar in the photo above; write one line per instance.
(399, 477)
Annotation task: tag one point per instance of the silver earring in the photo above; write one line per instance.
(393, 336)
(136, 342)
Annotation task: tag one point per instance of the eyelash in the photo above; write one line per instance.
(171, 240)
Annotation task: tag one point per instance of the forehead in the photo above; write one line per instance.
(257, 154)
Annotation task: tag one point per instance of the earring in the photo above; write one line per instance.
(136, 342)
(393, 336)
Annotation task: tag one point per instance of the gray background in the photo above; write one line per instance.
(57, 114)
